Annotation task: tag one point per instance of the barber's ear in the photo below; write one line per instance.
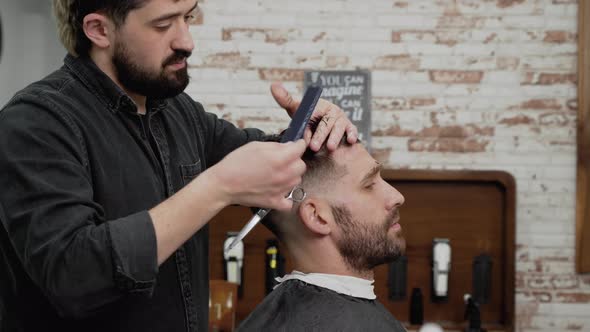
(316, 215)
(98, 29)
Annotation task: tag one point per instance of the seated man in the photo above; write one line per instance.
(346, 224)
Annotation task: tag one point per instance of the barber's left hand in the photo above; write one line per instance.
(333, 122)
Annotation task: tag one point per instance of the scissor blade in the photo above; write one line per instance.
(248, 227)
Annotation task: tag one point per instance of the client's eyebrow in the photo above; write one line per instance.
(374, 171)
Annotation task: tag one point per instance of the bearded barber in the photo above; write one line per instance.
(110, 173)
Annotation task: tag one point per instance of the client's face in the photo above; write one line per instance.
(366, 209)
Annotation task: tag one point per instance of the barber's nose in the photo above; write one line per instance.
(184, 40)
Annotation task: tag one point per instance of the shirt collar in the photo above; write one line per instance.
(347, 285)
(101, 85)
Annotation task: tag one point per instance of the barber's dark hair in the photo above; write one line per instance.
(320, 168)
(70, 14)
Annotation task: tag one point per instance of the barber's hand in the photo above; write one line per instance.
(261, 174)
(333, 123)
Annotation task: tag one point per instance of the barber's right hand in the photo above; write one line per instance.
(261, 174)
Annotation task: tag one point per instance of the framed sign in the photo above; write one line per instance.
(351, 91)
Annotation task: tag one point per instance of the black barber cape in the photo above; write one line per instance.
(298, 306)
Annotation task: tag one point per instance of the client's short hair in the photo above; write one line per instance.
(321, 170)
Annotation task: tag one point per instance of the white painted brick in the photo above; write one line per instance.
(502, 77)
(425, 8)
(563, 309)
(540, 323)
(428, 49)
(546, 226)
(381, 76)
(406, 21)
(555, 240)
(475, 49)
(560, 173)
(555, 62)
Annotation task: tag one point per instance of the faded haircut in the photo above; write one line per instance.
(321, 171)
(69, 15)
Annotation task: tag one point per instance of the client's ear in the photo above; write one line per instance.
(316, 216)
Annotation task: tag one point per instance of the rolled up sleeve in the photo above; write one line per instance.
(134, 251)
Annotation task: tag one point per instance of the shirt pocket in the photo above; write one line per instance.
(189, 172)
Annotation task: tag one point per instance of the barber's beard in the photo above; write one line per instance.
(365, 246)
(158, 85)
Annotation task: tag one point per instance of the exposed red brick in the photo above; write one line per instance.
(507, 63)
(541, 104)
(439, 37)
(533, 35)
(281, 74)
(490, 38)
(572, 104)
(381, 155)
(417, 102)
(517, 120)
(395, 130)
(574, 327)
(400, 4)
(564, 281)
(257, 118)
(273, 36)
(561, 143)
(397, 62)
(451, 9)
(549, 78)
(572, 297)
(389, 103)
(465, 131)
(554, 119)
(276, 39)
(460, 22)
(227, 60)
(454, 145)
(537, 296)
(519, 282)
(540, 280)
(230, 33)
(227, 116)
(218, 107)
(199, 18)
(508, 3)
(337, 61)
(525, 313)
(446, 39)
(456, 76)
(319, 37)
(559, 37)
(303, 59)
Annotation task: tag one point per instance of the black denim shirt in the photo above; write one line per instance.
(79, 168)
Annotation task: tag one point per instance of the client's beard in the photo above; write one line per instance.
(365, 246)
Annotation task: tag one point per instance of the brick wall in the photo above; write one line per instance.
(464, 84)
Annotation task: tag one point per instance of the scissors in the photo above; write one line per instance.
(294, 132)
